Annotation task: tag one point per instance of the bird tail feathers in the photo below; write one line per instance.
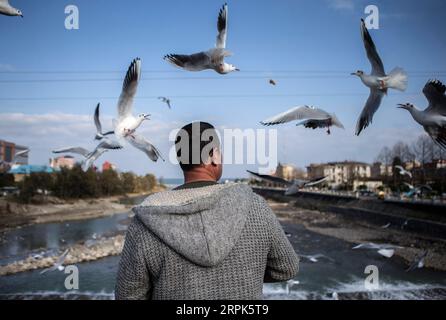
(397, 79)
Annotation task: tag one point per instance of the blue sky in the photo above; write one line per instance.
(308, 47)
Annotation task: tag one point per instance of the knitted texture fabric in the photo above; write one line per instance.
(217, 242)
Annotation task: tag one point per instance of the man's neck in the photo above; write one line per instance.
(198, 174)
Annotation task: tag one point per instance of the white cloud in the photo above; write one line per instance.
(43, 133)
(342, 4)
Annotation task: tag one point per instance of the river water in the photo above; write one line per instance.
(344, 274)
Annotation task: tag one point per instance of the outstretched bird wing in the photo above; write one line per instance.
(434, 91)
(20, 153)
(297, 113)
(270, 178)
(372, 104)
(77, 150)
(316, 181)
(141, 143)
(129, 88)
(222, 27)
(97, 122)
(194, 62)
(372, 53)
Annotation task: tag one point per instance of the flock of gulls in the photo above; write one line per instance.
(432, 119)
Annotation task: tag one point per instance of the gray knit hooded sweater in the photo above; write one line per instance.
(215, 242)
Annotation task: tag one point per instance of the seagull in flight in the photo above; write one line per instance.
(166, 101)
(105, 145)
(433, 118)
(312, 118)
(378, 81)
(293, 186)
(97, 122)
(91, 156)
(59, 263)
(126, 124)
(418, 263)
(8, 10)
(386, 250)
(213, 58)
(403, 171)
(316, 257)
(6, 166)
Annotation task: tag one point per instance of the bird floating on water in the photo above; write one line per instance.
(378, 81)
(8, 10)
(433, 118)
(313, 118)
(214, 58)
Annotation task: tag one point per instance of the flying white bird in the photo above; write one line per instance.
(97, 122)
(166, 101)
(105, 145)
(290, 284)
(77, 150)
(403, 171)
(126, 124)
(91, 156)
(418, 263)
(386, 250)
(316, 257)
(59, 263)
(376, 246)
(5, 166)
(211, 59)
(293, 186)
(314, 118)
(378, 81)
(388, 253)
(433, 118)
(8, 10)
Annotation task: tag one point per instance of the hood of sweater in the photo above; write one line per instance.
(201, 224)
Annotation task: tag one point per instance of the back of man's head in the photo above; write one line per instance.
(196, 144)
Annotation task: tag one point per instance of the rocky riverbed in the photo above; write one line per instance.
(88, 251)
(357, 231)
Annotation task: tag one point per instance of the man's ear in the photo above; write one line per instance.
(216, 157)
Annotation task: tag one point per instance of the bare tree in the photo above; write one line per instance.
(402, 151)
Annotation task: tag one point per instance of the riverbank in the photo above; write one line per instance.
(14, 214)
(357, 231)
(319, 222)
(82, 252)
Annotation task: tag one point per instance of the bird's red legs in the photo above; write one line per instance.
(128, 132)
(382, 84)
